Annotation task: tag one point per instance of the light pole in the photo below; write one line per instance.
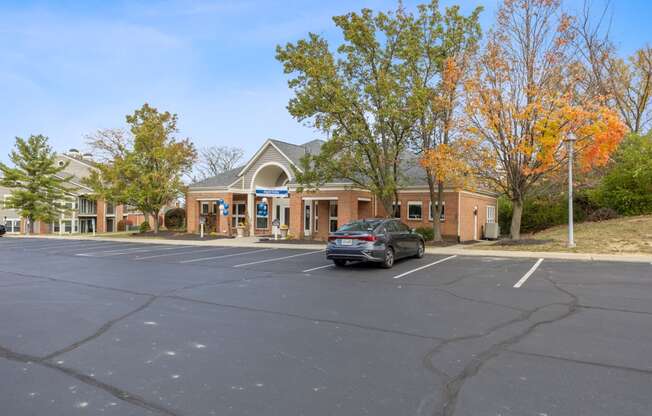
(571, 237)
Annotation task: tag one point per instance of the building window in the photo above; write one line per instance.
(332, 216)
(491, 214)
(442, 215)
(238, 215)
(316, 216)
(205, 208)
(87, 206)
(414, 210)
(110, 208)
(262, 216)
(396, 210)
(306, 217)
(12, 225)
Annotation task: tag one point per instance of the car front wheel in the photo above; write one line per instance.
(388, 260)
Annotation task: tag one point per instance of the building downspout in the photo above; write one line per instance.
(459, 216)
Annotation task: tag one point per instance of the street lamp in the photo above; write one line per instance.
(571, 239)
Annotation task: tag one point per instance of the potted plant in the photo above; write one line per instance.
(284, 231)
(240, 230)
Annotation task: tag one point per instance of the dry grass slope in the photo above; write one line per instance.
(626, 235)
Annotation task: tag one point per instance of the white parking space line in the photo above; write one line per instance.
(278, 258)
(226, 255)
(528, 274)
(34, 245)
(128, 250)
(318, 268)
(187, 250)
(92, 244)
(424, 267)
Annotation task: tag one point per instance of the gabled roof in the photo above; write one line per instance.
(224, 179)
(292, 152)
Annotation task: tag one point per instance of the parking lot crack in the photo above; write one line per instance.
(454, 384)
(306, 318)
(103, 329)
(72, 282)
(583, 362)
(114, 391)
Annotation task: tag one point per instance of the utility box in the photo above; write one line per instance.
(491, 231)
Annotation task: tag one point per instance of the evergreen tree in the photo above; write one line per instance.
(39, 187)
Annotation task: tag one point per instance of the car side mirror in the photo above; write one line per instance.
(412, 231)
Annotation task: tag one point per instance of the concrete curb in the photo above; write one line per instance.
(463, 251)
(459, 250)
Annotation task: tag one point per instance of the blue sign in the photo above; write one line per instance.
(278, 192)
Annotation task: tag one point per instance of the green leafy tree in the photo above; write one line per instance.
(146, 171)
(359, 97)
(39, 186)
(442, 46)
(627, 186)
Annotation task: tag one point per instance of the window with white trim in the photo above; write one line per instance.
(12, 225)
(238, 214)
(491, 214)
(332, 216)
(442, 215)
(414, 210)
(262, 221)
(205, 208)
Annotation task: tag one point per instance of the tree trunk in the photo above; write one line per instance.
(436, 221)
(388, 205)
(517, 213)
(155, 216)
(436, 227)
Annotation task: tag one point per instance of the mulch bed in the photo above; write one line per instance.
(172, 235)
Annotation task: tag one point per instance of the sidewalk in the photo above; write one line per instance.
(460, 250)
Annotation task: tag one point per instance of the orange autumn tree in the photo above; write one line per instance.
(524, 102)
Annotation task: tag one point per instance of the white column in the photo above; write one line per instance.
(251, 209)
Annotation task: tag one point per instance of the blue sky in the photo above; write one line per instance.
(68, 68)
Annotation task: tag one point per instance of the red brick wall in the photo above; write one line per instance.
(192, 211)
(100, 222)
(468, 202)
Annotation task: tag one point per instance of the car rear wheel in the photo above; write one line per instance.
(420, 250)
(339, 262)
(388, 260)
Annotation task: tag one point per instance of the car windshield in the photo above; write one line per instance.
(360, 226)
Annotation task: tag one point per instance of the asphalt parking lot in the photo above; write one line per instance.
(99, 327)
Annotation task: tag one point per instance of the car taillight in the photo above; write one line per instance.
(367, 238)
(332, 238)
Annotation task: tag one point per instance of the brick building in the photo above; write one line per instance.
(267, 179)
(84, 214)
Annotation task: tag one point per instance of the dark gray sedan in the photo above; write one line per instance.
(376, 240)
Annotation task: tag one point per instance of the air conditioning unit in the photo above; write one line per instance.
(491, 231)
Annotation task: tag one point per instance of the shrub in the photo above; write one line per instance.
(627, 186)
(144, 227)
(175, 219)
(123, 225)
(545, 211)
(426, 232)
(602, 214)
